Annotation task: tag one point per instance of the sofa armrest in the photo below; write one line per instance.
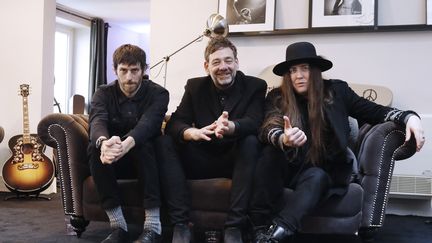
(381, 145)
(68, 136)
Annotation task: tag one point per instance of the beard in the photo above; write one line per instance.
(224, 82)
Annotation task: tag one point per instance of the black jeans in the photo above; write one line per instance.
(273, 173)
(139, 162)
(201, 160)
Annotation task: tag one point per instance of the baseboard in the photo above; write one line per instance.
(403, 206)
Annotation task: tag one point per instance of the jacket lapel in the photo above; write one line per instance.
(233, 99)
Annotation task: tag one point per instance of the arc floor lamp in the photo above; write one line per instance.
(216, 26)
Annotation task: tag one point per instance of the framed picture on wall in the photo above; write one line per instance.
(429, 12)
(248, 15)
(338, 13)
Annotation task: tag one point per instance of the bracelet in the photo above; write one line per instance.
(99, 142)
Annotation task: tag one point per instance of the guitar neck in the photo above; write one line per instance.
(26, 123)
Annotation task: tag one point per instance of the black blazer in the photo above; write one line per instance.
(200, 106)
(345, 103)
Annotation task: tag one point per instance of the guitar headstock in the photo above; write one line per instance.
(24, 90)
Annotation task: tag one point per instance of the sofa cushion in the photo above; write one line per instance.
(210, 194)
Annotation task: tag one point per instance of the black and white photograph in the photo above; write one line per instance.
(342, 7)
(341, 13)
(248, 15)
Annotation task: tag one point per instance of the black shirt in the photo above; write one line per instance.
(141, 116)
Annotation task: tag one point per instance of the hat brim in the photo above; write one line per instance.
(283, 67)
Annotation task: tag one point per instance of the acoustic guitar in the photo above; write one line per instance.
(29, 170)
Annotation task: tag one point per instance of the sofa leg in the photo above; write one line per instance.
(79, 224)
(367, 235)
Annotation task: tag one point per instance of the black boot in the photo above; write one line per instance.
(259, 234)
(118, 235)
(212, 236)
(232, 235)
(182, 234)
(148, 236)
(276, 234)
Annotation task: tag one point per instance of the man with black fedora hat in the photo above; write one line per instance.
(306, 131)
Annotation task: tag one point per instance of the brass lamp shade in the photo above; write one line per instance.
(1, 134)
(216, 26)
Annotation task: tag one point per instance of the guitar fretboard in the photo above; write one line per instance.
(26, 124)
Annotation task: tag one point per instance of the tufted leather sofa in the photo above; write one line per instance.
(361, 210)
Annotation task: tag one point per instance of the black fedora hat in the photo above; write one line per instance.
(301, 52)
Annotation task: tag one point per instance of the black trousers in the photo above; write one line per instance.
(273, 173)
(203, 160)
(139, 162)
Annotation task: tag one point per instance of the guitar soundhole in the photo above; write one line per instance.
(26, 148)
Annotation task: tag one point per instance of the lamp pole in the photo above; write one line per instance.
(216, 26)
(167, 58)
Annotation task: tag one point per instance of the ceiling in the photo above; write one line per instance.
(129, 14)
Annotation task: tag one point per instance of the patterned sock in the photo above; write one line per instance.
(116, 218)
(152, 220)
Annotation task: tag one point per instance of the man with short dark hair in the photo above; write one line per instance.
(125, 116)
(214, 130)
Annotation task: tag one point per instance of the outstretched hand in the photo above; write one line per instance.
(414, 127)
(292, 136)
(220, 128)
(195, 134)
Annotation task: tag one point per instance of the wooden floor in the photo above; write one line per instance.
(36, 220)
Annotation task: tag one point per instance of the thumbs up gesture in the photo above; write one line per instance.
(292, 136)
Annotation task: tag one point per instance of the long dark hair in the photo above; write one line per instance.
(317, 98)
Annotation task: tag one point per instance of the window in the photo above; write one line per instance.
(71, 67)
(62, 68)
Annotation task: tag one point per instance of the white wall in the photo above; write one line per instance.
(398, 60)
(118, 36)
(173, 26)
(27, 56)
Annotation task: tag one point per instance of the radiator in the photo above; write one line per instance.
(411, 187)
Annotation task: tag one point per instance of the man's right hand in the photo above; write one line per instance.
(292, 136)
(195, 134)
(110, 150)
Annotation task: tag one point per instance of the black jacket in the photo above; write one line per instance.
(200, 106)
(345, 103)
(105, 115)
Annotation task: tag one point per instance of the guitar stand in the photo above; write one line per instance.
(27, 196)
